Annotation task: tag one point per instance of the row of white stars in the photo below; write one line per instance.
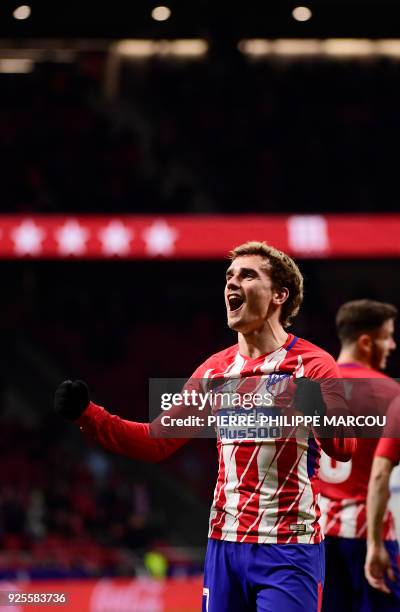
(115, 238)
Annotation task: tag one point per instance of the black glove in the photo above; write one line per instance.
(71, 398)
(308, 397)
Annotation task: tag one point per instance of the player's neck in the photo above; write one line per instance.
(262, 341)
(351, 355)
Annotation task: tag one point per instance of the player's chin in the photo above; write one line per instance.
(232, 324)
(235, 322)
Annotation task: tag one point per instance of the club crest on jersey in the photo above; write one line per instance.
(276, 384)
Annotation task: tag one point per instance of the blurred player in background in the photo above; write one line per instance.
(379, 569)
(365, 329)
(267, 488)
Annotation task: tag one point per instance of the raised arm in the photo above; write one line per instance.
(129, 438)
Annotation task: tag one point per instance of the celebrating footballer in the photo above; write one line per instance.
(265, 549)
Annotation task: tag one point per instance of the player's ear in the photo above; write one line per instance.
(279, 296)
(364, 343)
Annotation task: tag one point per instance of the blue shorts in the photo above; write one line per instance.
(346, 588)
(241, 577)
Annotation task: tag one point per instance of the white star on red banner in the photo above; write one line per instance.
(160, 238)
(71, 238)
(115, 238)
(27, 238)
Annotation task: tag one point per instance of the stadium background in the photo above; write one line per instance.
(293, 124)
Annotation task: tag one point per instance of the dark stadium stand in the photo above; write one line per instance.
(202, 136)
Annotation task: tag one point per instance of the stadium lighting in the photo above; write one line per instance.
(349, 47)
(22, 12)
(195, 47)
(16, 65)
(161, 13)
(389, 47)
(282, 46)
(288, 46)
(255, 46)
(135, 48)
(301, 13)
(339, 48)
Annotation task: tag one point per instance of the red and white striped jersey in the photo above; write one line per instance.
(267, 489)
(344, 486)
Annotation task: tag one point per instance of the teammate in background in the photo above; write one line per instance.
(379, 569)
(365, 329)
(267, 488)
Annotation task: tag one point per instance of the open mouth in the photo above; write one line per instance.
(235, 302)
